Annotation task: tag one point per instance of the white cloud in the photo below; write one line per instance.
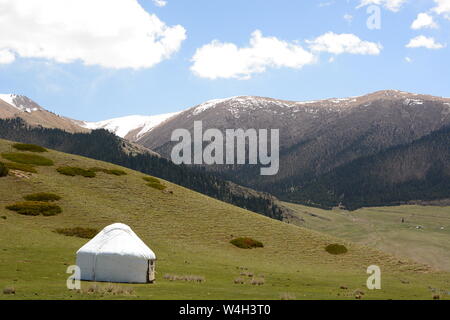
(160, 3)
(343, 43)
(408, 59)
(225, 60)
(424, 42)
(6, 57)
(392, 5)
(442, 7)
(109, 33)
(423, 20)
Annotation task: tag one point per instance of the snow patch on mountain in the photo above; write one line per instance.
(14, 101)
(124, 125)
(209, 104)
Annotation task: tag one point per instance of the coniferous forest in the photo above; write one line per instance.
(105, 146)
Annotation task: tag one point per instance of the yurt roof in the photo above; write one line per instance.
(118, 239)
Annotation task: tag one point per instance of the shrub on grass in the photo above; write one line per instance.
(29, 147)
(336, 249)
(42, 196)
(21, 167)
(246, 243)
(115, 172)
(154, 183)
(157, 186)
(35, 208)
(151, 179)
(26, 158)
(80, 232)
(75, 171)
(3, 170)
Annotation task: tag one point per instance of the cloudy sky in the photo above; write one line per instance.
(99, 59)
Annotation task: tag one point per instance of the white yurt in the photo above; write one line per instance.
(116, 254)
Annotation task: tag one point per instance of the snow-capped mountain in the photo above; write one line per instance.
(130, 127)
(21, 103)
(17, 106)
(318, 137)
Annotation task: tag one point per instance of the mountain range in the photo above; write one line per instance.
(367, 150)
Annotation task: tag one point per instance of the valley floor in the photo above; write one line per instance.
(420, 233)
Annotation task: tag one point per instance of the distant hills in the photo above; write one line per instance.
(358, 151)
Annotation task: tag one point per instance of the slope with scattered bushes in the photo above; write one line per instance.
(190, 234)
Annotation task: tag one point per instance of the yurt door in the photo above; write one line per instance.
(151, 271)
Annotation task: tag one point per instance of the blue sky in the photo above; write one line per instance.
(82, 74)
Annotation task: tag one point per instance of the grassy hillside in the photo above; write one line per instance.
(190, 234)
(424, 234)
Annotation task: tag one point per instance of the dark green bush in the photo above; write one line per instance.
(74, 171)
(154, 183)
(35, 208)
(86, 233)
(42, 196)
(115, 172)
(151, 179)
(246, 243)
(157, 186)
(336, 249)
(27, 158)
(3, 170)
(21, 167)
(29, 147)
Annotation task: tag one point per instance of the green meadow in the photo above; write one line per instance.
(190, 234)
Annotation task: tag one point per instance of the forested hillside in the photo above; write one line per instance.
(105, 146)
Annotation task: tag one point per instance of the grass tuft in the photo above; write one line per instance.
(336, 249)
(287, 296)
(29, 147)
(80, 232)
(9, 290)
(35, 208)
(110, 289)
(26, 158)
(186, 278)
(246, 243)
(75, 171)
(42, 196)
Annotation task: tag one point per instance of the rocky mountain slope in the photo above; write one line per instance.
(316, 137)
